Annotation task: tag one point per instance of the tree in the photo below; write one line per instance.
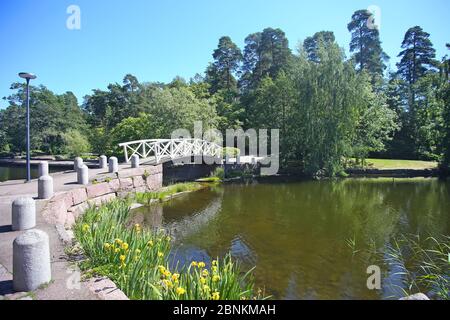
(221, 73)
(265, 54)
(311, 44)
(48, 122)
(417, 56)
(366, 45)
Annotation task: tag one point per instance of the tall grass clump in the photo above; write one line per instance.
(423, 263)
(148, 197)
(137, 260)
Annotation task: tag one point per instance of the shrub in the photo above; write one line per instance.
(75, 143)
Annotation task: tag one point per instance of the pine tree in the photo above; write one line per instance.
(417, 57)
(311, 44)
(366, 45)
(221, 73)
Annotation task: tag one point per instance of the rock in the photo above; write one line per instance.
(417, 296)
(78, 195)
(97, 190)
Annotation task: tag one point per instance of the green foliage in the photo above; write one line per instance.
(366, 45)
(422, 264)
(138, 262)
(75, 143)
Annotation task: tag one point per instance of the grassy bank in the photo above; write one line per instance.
(137, 260)
(386, 164)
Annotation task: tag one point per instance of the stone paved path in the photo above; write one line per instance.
(62, 269)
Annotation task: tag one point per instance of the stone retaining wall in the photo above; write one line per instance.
(65, 207)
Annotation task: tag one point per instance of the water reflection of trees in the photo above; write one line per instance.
(295, 232)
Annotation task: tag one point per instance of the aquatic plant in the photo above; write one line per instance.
(137, 260)
(423, 264)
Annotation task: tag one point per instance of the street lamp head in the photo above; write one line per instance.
(27, 75)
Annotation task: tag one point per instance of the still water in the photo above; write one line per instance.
(297, 234)
(18, 173)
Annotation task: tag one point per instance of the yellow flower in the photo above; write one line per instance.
(215, 295)
(201, 265)
(194, 263)
(175, 277)
(125, 246)
(214, 269)
(160, 254)
(119, 242)
(180, 291)
(167, 274)
(137, 252)
(205, 273)
(85, 227)
(214, 262)
(107, 246)
(116, 250)
(215, 278)
(168, 284)
(202, 280)
(162, 269)
(122, 258)
(206, 289)
(150, 243)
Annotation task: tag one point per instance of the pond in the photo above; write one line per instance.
(20, 172)
(298, 234)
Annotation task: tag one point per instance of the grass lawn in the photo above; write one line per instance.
(400, 164)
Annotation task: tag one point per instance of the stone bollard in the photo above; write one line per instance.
(113, 165)
(102, 162)
(83, 175)
(31, 260)
(43, 168)
(135, 161)
(45, 187)
(23, 214)
(77, 163)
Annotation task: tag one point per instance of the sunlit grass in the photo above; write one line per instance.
(385, 164)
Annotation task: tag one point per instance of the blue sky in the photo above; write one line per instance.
(158, 39)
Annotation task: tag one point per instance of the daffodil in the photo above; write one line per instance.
(175, 277)
(180, 291)
(118, 242)
(125, 246)
(167, 274)
(107, 246)
(214, 262)
(116, 250)
(206, 289)
(194, 263)
(201, 265)
(215, 295)
(162, 269)
(214, 269)
(160, 254)
(122, 257)
(85, 227)
(205, 273)
(150, 243)
(202, 280)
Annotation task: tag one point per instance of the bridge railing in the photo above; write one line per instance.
(170, 148)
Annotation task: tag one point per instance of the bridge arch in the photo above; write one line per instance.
(162, 150)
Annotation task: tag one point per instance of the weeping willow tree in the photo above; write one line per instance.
(326, 112)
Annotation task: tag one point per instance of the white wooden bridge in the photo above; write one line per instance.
(163, 150)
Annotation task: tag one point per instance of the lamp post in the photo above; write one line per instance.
(28, 76)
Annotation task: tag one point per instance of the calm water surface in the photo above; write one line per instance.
(17, 173)
(297, 234)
